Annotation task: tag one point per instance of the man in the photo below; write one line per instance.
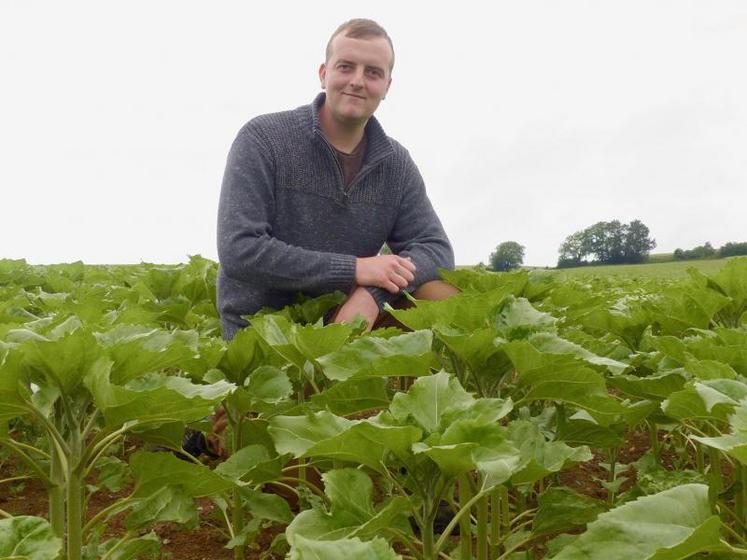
(310, 196)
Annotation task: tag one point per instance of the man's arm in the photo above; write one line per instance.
(418, 236)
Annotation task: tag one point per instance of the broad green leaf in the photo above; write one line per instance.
(657, 387)
(250, 464)
(341, 549)
(153, 471)
(561, 378)
(541, 458)
(137, 350)
(134, 548)
(466, 311)
(164, 503)
(63, 362)
(553, 344)
(407, 354)
(519, 319)
(587, 432)
(14, 395)
(710, 369)
(469, 280)
(153, 398)
(735, 443)
(269, 385)
(113, 473)
(671, 525)
(351, 512)
(266, 506)
(561, 509)
(429, 398)
(296, 434)
(367, 443)
(28, 538)
(243, 355)
(353, 395)
(706, 400)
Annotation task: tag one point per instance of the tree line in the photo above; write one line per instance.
(708, 251)
(610, 242)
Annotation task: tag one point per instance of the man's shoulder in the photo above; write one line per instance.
(279, 124)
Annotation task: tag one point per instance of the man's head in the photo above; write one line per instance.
(361, 28)
(357, 71)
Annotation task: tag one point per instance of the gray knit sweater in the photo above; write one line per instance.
(287, 225)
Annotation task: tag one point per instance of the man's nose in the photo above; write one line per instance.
(356, 80)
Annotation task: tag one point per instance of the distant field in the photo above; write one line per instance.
(676, 269)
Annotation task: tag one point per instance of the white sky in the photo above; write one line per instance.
(528, 120)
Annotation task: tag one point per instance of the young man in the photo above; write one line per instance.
(310, 195)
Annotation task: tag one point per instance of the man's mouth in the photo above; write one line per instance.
(353, 95)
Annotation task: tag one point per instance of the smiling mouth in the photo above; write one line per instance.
(353, 95)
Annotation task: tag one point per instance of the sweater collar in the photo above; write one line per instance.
(379, 145)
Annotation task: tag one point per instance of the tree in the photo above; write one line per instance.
(507, 255)
(638, 244)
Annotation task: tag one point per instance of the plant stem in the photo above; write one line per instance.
(465, 529)
(464, 510)
(482, 529)
(717, 483)
(495, 522)
(74, 517)
(104, 513)
(56, 492)
(654, 437)
(237, 512)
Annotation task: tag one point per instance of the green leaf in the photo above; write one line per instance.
(242, 461)
(61, 363)
(553, 344)
(154, 471)
(342, 549)
(269, 385)
(166, 503)
(368, 443)
(153, 398)
(134, 548)
(735, 443)
(350, 492)
(408, 354)
(561, 509)
(137, 350)
(14, 395)
(29, 538)
(267, 506)
(352, 396)
(713, 400)
(671, 525)
(429, 398)
(296, 434)
(113, 473)
(466, 311)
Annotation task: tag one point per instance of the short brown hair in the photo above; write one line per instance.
(360, 28)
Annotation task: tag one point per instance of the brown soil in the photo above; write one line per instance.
(207, 542)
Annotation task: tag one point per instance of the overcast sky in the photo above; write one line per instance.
(528, 120)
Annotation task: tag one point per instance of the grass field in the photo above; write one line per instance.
(676, 269)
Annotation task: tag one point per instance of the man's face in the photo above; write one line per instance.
(356, 77)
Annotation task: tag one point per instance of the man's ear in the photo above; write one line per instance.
(322, 73)
(387, 88)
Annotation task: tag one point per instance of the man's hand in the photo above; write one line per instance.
(390, 272)
(360, 302)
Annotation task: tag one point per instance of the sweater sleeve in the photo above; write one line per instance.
(247, 250)
(418, 234)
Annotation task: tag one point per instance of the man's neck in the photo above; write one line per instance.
(343, 137)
